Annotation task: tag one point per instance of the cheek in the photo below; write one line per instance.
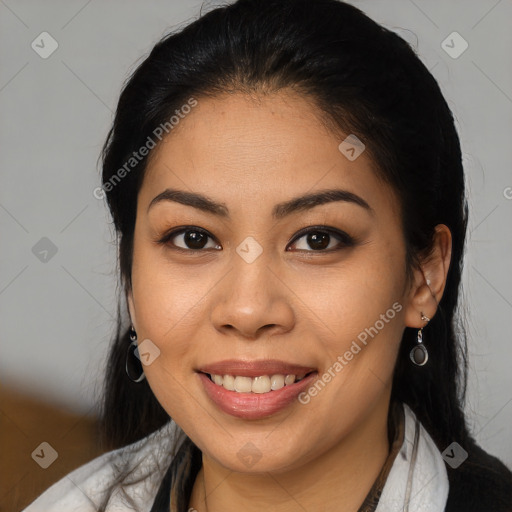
(361, 309)
(168, 304)
(167, 308)
(352, 295)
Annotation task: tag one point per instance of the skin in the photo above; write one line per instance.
(300, 305)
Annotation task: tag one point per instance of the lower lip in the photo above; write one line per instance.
(251, 406)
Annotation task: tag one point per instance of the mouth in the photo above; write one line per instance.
(254, 390)
(259, 385)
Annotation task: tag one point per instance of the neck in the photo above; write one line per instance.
(342, 475)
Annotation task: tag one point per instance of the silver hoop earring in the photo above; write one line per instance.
(419, 354)
(133, 365)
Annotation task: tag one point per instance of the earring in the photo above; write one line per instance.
(419, 354)
(133, 365)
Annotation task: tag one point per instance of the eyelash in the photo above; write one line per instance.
(345, 239)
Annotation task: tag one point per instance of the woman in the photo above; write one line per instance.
(286, 183)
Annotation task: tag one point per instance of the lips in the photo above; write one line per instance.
(253, 369)
(250, 405)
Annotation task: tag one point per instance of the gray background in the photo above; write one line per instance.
(57, 316)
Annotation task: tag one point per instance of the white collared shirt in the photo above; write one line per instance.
(417, 481)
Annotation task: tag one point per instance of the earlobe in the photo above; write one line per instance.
(430, 279)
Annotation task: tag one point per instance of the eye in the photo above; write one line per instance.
(191, 239)
(319, 239)
(323, 239)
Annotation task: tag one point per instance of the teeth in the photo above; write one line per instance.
(243, 384)
(261, 384)
(277, 382)
(289, 379)
(228, 382)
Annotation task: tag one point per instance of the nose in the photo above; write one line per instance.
(252, 301)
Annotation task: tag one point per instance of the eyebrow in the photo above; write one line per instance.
(281, 210)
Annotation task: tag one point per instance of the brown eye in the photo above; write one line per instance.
(318, 239)
(191, 239)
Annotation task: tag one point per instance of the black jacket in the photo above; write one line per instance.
(482, 483)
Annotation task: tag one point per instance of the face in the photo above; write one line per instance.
(261, 287)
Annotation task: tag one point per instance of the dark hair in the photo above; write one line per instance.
(364, 80)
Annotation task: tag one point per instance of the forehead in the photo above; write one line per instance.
(259, 151)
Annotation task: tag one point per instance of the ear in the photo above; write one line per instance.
(429, 280)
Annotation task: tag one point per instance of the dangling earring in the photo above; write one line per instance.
(133, 365)
(419, 354)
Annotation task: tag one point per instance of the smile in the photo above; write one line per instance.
(261, 384)
(253, 390)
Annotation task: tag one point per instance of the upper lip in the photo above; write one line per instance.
(254, 368)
